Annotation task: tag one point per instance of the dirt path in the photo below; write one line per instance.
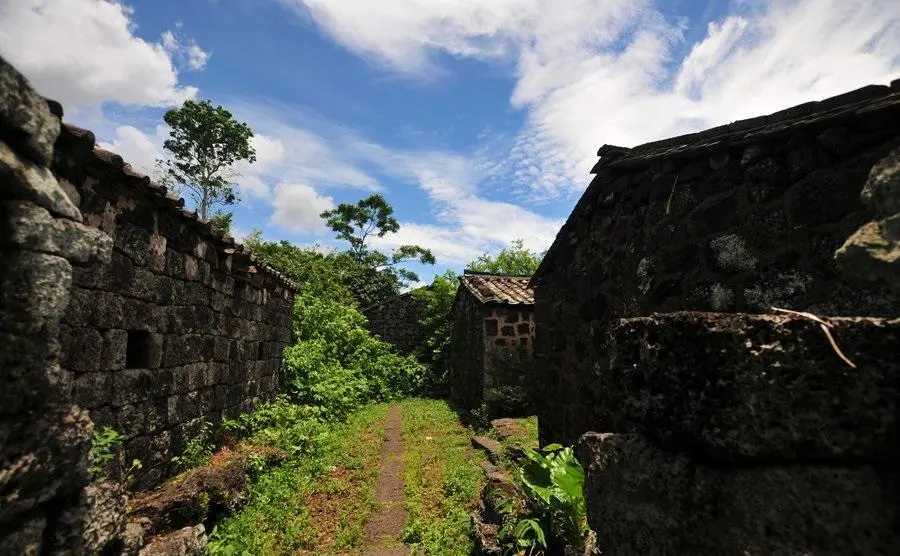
(384, 532)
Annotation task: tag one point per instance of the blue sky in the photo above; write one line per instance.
(479, 120)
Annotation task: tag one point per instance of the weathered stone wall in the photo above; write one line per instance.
(726, 430)
(726, 221)
(396, 321)
(491, 355)
(747, 434)
(177, 328)
(45, 438)
(509, 362)
(466, 353)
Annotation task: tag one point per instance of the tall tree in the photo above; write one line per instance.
(514, 260)
(205, 142)
(373, 217)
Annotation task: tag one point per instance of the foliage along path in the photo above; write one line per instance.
(395, 478)
(384, 531)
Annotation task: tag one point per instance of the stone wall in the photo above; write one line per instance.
(396, 321)
(491, 356)
(45, 438)
(466, 353)
(721, 429)
(509, 363)
(736, 219)
(177, 328)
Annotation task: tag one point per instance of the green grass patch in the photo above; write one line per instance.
(443, 478)
(316, 502)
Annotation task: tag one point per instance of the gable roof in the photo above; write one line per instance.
(498, 289)
(868, 101)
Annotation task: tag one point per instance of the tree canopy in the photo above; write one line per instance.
(514, 260)
(373, 217)
(205, 142)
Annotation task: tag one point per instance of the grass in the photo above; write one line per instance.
(443, 478)
(317, 502)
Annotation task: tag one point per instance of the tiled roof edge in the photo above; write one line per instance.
(492, 301)
(610, 154)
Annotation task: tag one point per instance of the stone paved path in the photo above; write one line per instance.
(384, 532)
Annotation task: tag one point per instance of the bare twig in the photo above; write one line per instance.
(671, 195)
(824, 326)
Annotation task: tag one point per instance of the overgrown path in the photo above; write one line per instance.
(384, 531)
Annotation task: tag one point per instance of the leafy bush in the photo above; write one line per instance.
(338, 365)
(553, 482)
(198, 450)
(436, 303)
(296, 429)
(104, 449)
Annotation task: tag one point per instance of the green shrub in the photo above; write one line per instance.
(553, 483)
(198, 450)
(338, 365)
(105, 444)
(296, 429)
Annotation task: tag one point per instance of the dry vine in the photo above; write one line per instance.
(824, 326)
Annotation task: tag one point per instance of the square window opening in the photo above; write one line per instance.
(137, 353)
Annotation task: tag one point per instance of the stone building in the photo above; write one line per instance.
(396, 321)
(492, 340)
(118, 308)
(724, 425)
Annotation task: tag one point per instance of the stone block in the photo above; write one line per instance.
(756, 387)
(81, 349)
(92, 390)
(26, 538)
(183, 349)
(650, 501)
(29, 373)
(25, 225)
(188, 378)
(44, 456)
(221, 349)
(29, 125)
(28, 182)
(134, 242)
(34, 289)
(96, 309)
(115, 344)
(132, 386)
(184, 407)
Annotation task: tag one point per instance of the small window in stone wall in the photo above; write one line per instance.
(137, 352)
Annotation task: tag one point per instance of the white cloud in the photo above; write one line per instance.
(298, 206)
(189, 53)
(85, 52)
(610, 71)
(136, 147)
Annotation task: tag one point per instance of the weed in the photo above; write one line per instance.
(198, 451)
(105, 447)
(443, 478)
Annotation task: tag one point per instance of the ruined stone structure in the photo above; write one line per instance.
(723, 425)
(491, 345)
(178, 327)
(116, 305)
(396, 321)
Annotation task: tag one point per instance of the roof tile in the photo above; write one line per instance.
(498, 289)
